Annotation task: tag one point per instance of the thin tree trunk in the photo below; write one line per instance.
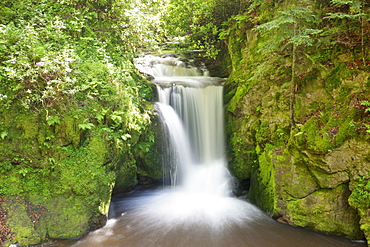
(362, 40)
(293, 86)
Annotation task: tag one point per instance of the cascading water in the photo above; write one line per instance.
(198, 210)
(201, 151)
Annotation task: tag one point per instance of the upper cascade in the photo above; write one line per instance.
(170, 69)
(168, 66)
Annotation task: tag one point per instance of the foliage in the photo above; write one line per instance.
(360, 197)
(197, 24)
(295, 27)
(356, 15)
(367, 104)
(73, 105)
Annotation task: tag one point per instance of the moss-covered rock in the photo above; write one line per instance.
(360, 200)
(58, 171)
(23, 223)
(327, 210)
(305, 170)
(263, 184)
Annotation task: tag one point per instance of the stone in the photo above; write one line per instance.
(330, 181)
(327, 210)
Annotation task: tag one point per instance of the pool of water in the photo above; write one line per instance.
(169, 218)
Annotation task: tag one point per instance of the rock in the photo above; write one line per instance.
(330, 181)
(328, 211)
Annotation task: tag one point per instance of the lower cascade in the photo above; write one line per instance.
(197, 208)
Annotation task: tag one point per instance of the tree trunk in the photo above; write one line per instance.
(293, 86)
(362, 40)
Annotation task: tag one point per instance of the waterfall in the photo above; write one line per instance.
(191, 108)
(197, 210)
(167, 66)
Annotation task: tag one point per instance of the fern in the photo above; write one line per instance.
(52, 120)
(366, 103)
(368, 127)
(86, 126)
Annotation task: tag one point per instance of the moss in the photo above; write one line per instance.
(292, 175)
(367, 84)
(321, 153)
(329, 130)
(147, 152)
(126, 177)
(73, 182)
(67, 217)
(360, 200)
(239, 93)
(67, 131)
(330, 180)
(333, 80)
(21, 224)
(327, 210)
(263, 191)
(241, 150)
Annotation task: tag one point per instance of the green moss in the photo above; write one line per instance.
(68, 131)
(67, 217)
(126, 177)
(360, 200)
(330, 180)
(295, 164)
(368, 82)
(263, 191)
(243, 157)
(21, 224)
(333, 80)
(239, 93)
(327, 210)
(292, 175)
(328, 130)
(147, 152)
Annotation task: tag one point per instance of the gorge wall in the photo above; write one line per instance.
(307, 157)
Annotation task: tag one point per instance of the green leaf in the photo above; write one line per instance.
(86, 126)
(300, 40)
(125, 137)
(341, 15)
(299, 133)
(4, 134)
(52, 120)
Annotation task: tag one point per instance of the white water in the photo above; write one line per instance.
(167, 66)
(202, 164)
(198, 210)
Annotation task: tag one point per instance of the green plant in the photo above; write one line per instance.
(360, 196)
(355, 13)
(366, 103)
(295, 28)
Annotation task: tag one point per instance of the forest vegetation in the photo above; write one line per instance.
(76, 118)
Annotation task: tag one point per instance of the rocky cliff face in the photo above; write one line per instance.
(313, 171)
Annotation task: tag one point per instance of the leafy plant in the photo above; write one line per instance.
(295, 28)
(355, 13)
(366, 103)
(52, 120)
(360, 196)
(3, 135)
(86, 126)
